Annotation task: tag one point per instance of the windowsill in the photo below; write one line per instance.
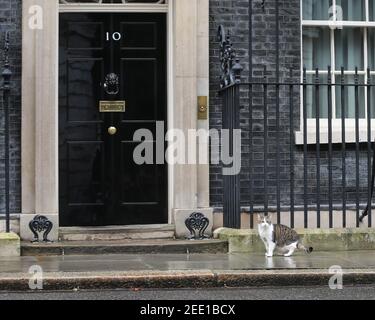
(350, 132)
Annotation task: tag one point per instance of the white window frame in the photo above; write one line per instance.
(350, 134)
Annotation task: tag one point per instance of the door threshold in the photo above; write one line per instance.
(120, 227)
(137, 232)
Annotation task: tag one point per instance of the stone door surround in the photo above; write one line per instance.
(188, 74)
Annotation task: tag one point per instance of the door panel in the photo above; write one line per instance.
(138, 35)
(100, 184)
(83, 88)
(143, 105)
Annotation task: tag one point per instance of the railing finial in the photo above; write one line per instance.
(6, 73)
(229, 62)
(6, 49)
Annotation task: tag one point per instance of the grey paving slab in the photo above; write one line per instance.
(364, 258)
(193, 262)
(101, 266)
(175, 262)
(300, 262)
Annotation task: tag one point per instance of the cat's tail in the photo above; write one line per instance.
(302, 247)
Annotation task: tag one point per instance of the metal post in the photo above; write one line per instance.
(305, 155)
(318, 147)
(343, 147)
(357, 146)
(230, 89)
(250, 166)
(278, 191)
(6, 74)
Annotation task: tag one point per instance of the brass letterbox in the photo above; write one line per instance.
(112, 106)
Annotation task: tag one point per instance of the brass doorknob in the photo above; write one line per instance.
(112, 131)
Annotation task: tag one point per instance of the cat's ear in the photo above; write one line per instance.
(260, 217)
(269, 217)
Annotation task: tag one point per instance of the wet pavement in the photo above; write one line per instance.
(192, 262)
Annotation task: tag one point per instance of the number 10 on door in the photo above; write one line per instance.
(116, 36)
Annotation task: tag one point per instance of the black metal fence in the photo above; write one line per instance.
(6, 88)
(330, 169)
(307, 146)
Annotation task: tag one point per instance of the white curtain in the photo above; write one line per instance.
(353, 10)
(316, 9)
(316, 48)
(349, 49)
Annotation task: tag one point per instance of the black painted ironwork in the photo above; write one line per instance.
(321, 159)
(330, 148)
(112, 84)
(317, 146)
(269, 92)
(263, 5)
(305, 150)
(357, 148)
(229, 62)
(40, 224)
(367, 211)
(343, 147)
(370, 150)
(250, 110)
(265, 139)
(197, 223)
(230, 76)
(6, 88)
(277, 93)
(231, 70)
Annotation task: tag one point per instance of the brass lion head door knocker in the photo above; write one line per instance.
(112, 84)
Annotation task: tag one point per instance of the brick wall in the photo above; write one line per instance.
(10, 20)
(233, 14)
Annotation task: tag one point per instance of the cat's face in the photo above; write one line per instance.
(264, 221)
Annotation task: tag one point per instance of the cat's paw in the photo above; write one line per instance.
(269, 255)
(288, 255)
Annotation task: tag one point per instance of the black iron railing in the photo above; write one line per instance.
(307, 143)
(6, 88)
(329, 170)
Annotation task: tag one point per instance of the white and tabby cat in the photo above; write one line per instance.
(279, 236)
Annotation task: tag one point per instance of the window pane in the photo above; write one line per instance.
(371, 48)
(316, 9)
(316, 48)
(351, 10)
(372, 98)
(349, 48)
(371, 9)
(311, 97)
(349, 97)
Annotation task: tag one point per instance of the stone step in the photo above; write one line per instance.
(124, 247)
(135, 232)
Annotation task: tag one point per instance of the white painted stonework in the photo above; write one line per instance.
(188, 78)
(27, 234)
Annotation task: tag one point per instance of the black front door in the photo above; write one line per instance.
(108, 62)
